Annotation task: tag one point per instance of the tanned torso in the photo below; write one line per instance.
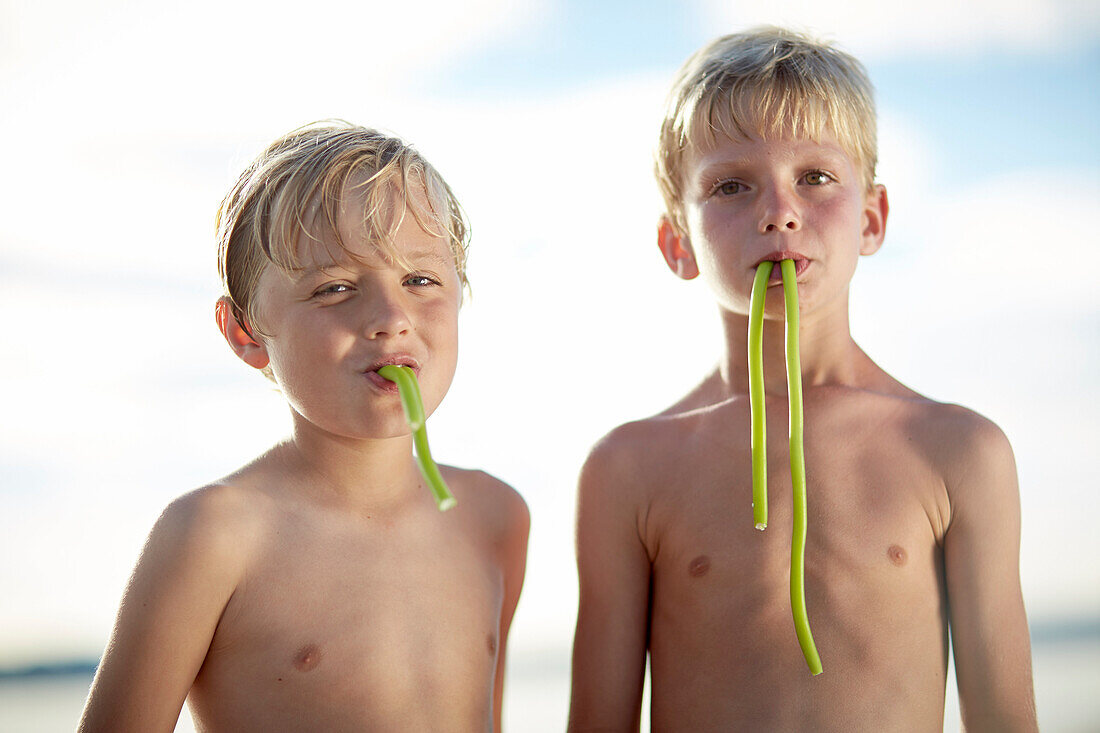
(380, 620)
(724, 656)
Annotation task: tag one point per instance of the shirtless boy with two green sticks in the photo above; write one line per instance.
(767, 153)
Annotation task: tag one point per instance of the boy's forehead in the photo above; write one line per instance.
(320, 250)
(362, 223)
(735, 149)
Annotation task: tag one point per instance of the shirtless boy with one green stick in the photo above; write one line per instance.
(767, 154)
(319, 588)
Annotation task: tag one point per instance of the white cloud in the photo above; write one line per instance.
(875, 29)
(1014, 242)
(76, 72)
(231, 49)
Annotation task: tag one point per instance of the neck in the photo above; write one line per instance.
(828, 354)
(371, 473)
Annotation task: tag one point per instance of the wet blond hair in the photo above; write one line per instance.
(298, 186)
(770, 83)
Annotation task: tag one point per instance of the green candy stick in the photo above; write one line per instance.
(798, 472)
(759, 443)
(405, 379)
(756, 396)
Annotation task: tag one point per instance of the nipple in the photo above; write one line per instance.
(897, 555)
(698, 567)
(307, 658)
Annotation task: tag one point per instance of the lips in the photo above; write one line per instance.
(801, 262)
(372, 375)
(395, 360)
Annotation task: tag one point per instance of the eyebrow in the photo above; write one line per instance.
(719, 167)
(301, 273)
(421, 255)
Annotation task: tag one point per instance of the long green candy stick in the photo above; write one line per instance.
(756, 396)
(405, 379)
(798, 472)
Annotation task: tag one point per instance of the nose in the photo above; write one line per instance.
(386, 316)
(779, 214)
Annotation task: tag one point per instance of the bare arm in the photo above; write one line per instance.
(167, 617)
(514, 562)
(609, 647)
(982, 561)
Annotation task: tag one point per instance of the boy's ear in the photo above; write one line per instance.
(676, 247)
(239, 337)
(875, 211)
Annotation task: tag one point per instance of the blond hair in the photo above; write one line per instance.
(772, 83)
(298, 187)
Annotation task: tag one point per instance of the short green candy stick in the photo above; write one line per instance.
(756, 396)
(405, 379)
(443, 497)
(798, 472)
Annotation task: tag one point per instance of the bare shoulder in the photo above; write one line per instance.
(970, 451)
(213, 523)
(953, 435)
(228, 519)
(634, 458)
(190, 567)
(957, 434)
(494, 501)
(979, 464)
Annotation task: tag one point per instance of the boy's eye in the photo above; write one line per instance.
(728, 188)
(420, 281)
(333, 289)
(817, 178)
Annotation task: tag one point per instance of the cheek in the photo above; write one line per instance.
(720, 249)
(447, 340)
(305, 346)
(842, 215)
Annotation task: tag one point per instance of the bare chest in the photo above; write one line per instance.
(874, 579)
(353, 627)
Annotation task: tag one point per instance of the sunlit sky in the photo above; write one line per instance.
(125, 123)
